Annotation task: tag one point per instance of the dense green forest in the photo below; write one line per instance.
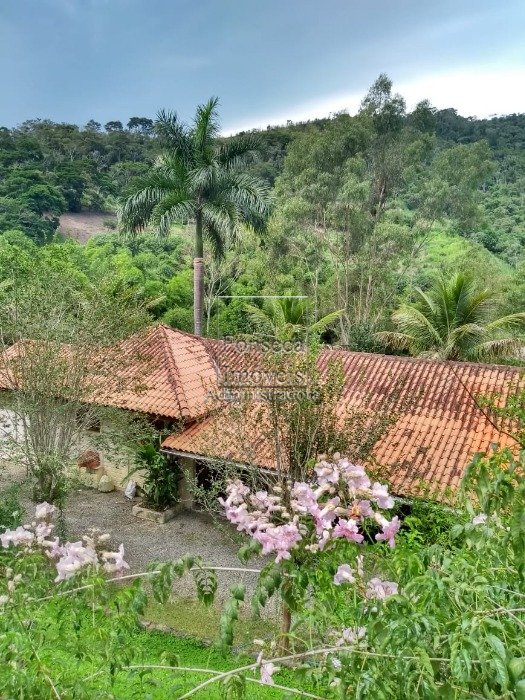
(365, 209)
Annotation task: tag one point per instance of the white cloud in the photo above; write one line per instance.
(473, 92)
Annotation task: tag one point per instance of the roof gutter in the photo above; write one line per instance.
(217, 460)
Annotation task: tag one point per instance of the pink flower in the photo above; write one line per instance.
(349, 530)
(361, 509)
(325, 516)
(303, 498)
(480, 519)
(43, 530)
(390, 529)
(74, 556)
(379, 590)
(263, 502)
(118, 566)
(280, 539)
(322, 541)
(19, 536)
(351, 635)
(53, 548)
(44, 511)
(354, 475)
(267, 671)
(239, 515)
(236, 491)
(381, 496)
(344, 574)
(327, 473)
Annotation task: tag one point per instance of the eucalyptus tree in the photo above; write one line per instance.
(455, 320)
(199, 178)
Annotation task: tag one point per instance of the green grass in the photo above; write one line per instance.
(67, 655)
(191, 653)
(190, 618)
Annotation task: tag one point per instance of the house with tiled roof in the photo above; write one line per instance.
(438, 425)
(160, 373)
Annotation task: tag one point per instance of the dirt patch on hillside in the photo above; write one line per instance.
(84, 225)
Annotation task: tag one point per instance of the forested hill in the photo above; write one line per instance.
(366, 208)
(56, 167)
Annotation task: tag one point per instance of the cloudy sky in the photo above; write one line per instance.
(267, 60)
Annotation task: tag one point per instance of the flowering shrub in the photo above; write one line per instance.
(71, 557)
(369, 619)
(447, 619)
(301, 523)
(312, 516)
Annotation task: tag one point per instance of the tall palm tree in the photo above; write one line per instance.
(287, 318)
(454, 320)
(198, 179)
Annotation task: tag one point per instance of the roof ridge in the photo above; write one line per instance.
(333, 349)
(173, 372)
(328, 349)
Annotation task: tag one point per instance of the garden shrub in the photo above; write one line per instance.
(423, 620)
(161, 478)
(11, 511)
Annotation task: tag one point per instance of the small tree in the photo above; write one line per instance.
(285, 411)
(62, 365)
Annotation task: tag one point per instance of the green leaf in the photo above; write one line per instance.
(206, 581)
(234, 687)
(499, 659)
(517, 668)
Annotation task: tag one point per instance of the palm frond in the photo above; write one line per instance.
(276, 310)
(323, 323)
(516, 320)
(205, 130)
(221, 220)
(136, 212)
(172, 209)
(205, 177)
(427, 300)
(174, 134)
(249, 193)
(395, 340)
(467, 332)
(216, 239)
(501, 347)
(260, 319)
(238, 151)
(413, 322)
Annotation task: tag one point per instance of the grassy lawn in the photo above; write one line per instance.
(188, 617)
(198, 627)
(64, 659)
(191, 653)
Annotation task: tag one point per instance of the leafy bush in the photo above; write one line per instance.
(162, 478)
(448, 624)
(425, 522)
(11, 511)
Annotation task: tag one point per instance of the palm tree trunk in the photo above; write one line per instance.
(198, 277)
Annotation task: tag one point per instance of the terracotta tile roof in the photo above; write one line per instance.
(178, 373)
(438, 430)
(162, 372)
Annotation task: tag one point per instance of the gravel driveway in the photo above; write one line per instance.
(145, 541)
